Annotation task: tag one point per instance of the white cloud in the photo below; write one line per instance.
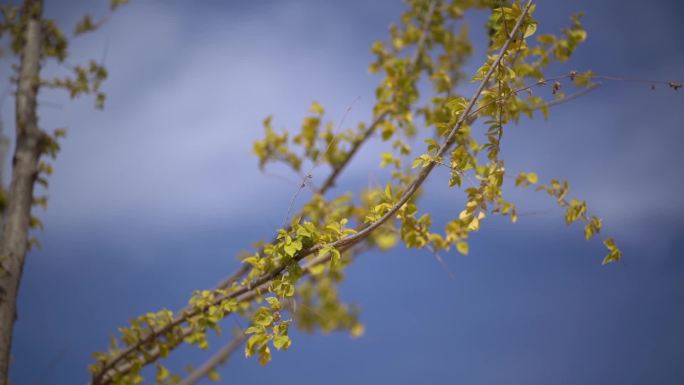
(174, 142)
(186, 100)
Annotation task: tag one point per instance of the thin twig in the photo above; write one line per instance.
(564, 99)
(441, 261)
(636, 80)
(280, 177)
(309, 175)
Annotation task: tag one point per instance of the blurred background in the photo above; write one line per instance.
(153, 197)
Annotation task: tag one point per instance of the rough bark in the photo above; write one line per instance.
(29, 139)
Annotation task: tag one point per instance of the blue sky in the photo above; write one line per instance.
(154, 196)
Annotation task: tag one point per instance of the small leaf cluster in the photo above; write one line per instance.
(85, 80)
(267, 326)
(575, 210)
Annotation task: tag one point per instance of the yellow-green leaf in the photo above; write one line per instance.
(462, 247)
(282, 342)
(530, 29)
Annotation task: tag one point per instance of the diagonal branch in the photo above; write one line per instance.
(221, 356)
(348, 241)
(154, 354)
(451, 138)
(410, 190)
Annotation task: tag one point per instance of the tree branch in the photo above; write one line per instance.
(356, 146)
(245, 293)
(220, 358)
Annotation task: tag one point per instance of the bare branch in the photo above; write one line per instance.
(220, 358)
(567, 98)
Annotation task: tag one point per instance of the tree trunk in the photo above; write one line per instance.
(24, 171)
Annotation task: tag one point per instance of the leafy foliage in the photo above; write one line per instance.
(293, 279)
